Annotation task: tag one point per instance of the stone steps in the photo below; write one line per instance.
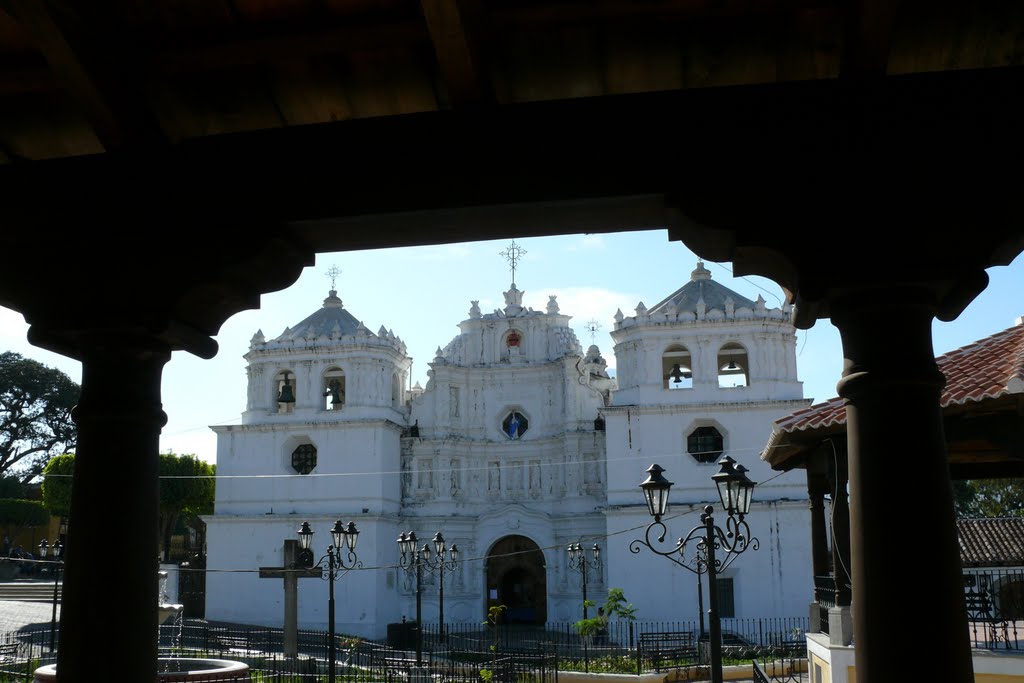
(29, 591)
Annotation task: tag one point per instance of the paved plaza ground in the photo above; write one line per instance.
(16, 614)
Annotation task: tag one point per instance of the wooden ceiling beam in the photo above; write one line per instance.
(454, 27)
(867, 40)
(241, 49)
(93, 70)
(548, 15)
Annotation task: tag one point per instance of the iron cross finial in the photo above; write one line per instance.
(333, 273)
(513, 254)
(593, 326)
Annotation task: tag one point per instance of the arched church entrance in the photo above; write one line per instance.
(517, 580)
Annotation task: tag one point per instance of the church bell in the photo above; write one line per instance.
(334, 391)
(286, 395)
(678, 374)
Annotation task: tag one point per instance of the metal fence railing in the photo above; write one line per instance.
(461, 651)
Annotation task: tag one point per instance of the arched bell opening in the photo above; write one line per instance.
(333, 389)
(676, 368)
(733, 366)
(286, 391)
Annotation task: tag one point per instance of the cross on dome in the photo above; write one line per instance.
(333, 273)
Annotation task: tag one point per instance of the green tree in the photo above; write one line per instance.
(35, 415)
(494, 615)
(56, 484)
(12, 487)
(186, 492)
(989, 498)
(18, 514)
(615, 605)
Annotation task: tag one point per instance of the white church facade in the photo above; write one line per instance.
(519, 445)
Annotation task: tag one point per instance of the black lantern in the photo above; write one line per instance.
(656, 489)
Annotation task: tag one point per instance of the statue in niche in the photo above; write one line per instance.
(456, 476)
(494, 478)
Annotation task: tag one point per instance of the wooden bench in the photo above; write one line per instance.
(671, 649)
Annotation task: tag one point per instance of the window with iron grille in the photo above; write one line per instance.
(705, 444)
(304, 458)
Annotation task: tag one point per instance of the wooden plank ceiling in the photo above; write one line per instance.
(79, 78)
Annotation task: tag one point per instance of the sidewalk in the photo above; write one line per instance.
(16, 615)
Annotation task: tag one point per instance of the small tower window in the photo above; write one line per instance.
(304, 458)
(515, 425)
(334, 389)
(286, 391)
(396, 391)
(705, 444)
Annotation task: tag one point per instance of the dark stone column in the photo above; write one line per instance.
(817, 487)
(901, 503)
(838, 479)
(109, 608)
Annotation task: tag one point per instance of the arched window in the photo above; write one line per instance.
(513, 344)
(334, 389)
(676, 368)
(732, 366)
(286, 391)
(396, 391)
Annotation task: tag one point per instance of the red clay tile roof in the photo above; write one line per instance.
(985, 369)
(994, 542)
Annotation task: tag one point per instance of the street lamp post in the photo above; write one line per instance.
(337, 565)
(58, 564)
(734, 489)
(412, 561)
(578, 562)
(442, 561)
(438, 560)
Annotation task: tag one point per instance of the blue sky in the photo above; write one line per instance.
(422, 293)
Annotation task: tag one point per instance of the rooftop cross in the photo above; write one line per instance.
(333, 273)
(593, 326)
(513, 253)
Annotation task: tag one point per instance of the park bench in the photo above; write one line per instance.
(10, 653)
(666, 649)
(394, 666)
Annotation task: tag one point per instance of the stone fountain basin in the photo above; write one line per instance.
(174, 669)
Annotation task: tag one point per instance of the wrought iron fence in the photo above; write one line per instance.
(995, 608)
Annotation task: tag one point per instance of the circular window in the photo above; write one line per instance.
(513, 339)
(304, 458)
(514, 425)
